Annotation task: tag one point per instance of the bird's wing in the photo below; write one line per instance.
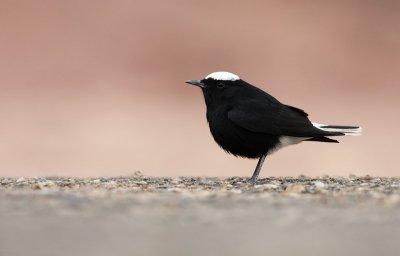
(298, 110)
(274, 118)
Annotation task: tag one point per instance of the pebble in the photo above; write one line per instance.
(174, 190)
(319, 184)
(21, 179)
(295, 188)
(267, 186)
(176, 181)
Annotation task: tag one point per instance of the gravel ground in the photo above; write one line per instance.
(199, 216)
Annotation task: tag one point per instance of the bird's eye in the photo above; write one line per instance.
(220, 85)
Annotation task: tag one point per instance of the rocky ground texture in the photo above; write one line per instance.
(141, 215)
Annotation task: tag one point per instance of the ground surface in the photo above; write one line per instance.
(199, 216)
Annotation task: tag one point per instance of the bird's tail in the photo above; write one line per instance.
(346, 130)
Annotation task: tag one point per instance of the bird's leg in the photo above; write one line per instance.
(258, 168)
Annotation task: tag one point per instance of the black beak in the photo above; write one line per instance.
(196, 83)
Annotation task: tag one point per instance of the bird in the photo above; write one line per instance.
(248, 122)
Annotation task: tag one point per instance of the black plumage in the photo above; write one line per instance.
(248, 122)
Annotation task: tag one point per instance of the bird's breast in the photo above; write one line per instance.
(237, 140)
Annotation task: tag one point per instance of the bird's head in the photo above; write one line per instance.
(216, 81)
(220, 86)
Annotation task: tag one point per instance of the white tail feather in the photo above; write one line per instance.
(347, 131)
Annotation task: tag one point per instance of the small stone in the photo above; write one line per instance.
(21, 179)
(138, 174)
(376, 180)
(296, 188)
(368, 177)
(47, 183)
(275, 182)
(5, 182)
(236, 191)
(352, 177)
(110, 184)
(362, 189)
(319, 184)
(37, 186)
(176, 190)
(176, 181)
(269, 186)
(302, 177)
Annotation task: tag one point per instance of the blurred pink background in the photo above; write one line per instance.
(90, 88)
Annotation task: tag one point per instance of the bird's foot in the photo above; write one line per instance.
(253, 180)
